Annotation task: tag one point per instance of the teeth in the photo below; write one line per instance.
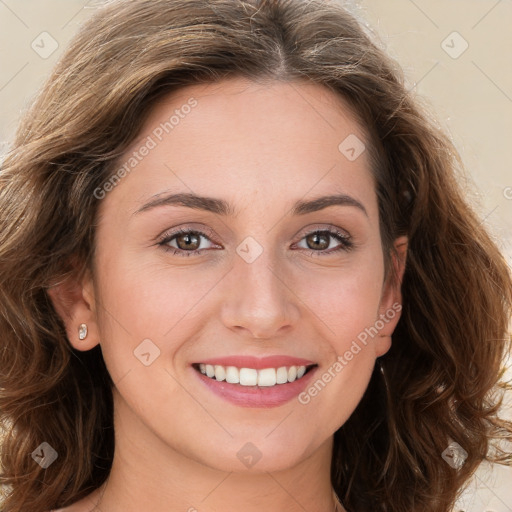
(220, 373)
(266, 377)
(248, 377)
(232, 375)
(282, 375)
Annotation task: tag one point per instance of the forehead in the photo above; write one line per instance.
(244, 102)
(237, 137)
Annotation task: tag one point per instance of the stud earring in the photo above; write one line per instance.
(82, 332)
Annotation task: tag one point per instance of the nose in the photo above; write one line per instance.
(259, 302)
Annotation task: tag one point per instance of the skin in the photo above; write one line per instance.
(261, 148)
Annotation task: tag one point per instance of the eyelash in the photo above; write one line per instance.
(346, 243)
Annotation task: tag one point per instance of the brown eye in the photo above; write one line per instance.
(318, 240)
(186, 242)
(326, 242)
(190, 241)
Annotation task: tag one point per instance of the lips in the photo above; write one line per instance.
(255, 382)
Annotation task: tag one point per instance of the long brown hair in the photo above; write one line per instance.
(438, 383)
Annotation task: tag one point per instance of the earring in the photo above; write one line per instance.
(82, 331)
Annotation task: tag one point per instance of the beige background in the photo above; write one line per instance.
(469, 91)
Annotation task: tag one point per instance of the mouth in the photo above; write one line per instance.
(254, 377)
(247, 381)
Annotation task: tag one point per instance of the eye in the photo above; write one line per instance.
(188, 242)
(319, 242)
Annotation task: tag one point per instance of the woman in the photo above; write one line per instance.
(238, 272)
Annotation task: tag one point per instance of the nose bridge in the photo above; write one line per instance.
(258, 299)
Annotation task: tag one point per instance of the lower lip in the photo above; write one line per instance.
(256, 396)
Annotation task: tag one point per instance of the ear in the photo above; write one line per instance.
(73, 299)
(391, 299)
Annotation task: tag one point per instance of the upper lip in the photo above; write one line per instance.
(258, 363)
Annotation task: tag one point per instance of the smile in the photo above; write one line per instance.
(249, 381)
(265, 377)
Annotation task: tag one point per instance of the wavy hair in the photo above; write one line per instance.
(439, 383)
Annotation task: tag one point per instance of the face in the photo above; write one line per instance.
(258, 280)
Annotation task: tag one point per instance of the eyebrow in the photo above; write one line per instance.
(222, 207)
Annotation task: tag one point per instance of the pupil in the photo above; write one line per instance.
(188, 237)
(316, 236)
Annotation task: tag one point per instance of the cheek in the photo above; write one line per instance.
(141, 301)
(347, 303)
(148, 298)
(345, 300)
